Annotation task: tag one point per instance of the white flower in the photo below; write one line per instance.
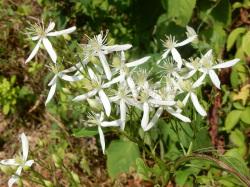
(170, 68)
(164, 99)
(193, 65)
(97, 46)
(98, 119)
(123, 69)
(62, 75)
(171, 44)
(98, 89)
(149, 99)
(41, 35)
(123, 99)
(19, 163)
(189, 87)
(190, 33)
(207, 68)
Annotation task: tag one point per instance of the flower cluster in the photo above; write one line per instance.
(20, 162)
(119, 86)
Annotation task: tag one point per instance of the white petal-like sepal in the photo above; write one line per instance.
(113, 48)
(50, 27)
(71, 78)
(154, 119)
(197, 105)
(199, 81)
(145, 117)
(25, 146)
(214, 78)
(102, 139)
(123, 113)
(12, 180)
(9, 162)
(177, 57)
(105, 65)
(185, 42)
(51, 93)
(226, 64)
(115, 123)
(34, 51)
(162, 102)
(179, 116)
(50, 49)
(105, 102)
(29, 163)
(66, 31)
(138, 62)
(85, 96)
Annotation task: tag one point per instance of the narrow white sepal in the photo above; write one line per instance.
(51, 93)
(132, 86)
(162, 102)
(85, 96)
(105, 102)
(155, 118)
(25, 146)
(145, 117)
(165, 54)
(226, 64)
(65, 31)
(113, 81)
(12, 180)
(102, 139)
(113, 48)
(9, 162)
(185, 42)
(197, 105)
(199, 81)
(53, 80)
(138, 62)
(34, 51)
(50, 27)
(177, 57)
(105, 65)
(214, 78)
(185, 100)
(115, 123)
(179, 116)
(29, 163)
(50, 50)
(71, 78)
(123, 113)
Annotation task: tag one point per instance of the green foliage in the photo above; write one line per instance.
(232, 119)
(144, 23)
(121, 156)
(180, 11)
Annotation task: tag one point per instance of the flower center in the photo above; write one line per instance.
(169, 42)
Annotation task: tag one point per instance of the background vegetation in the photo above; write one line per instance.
(56, 131)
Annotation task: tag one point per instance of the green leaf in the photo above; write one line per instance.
(85, 132)
(245, 116)
(142, 169)
(232, 119)
(237, 163)
(246, 43)
(237, 138)
(181, 176)
(121, 155)
(180, 11)
(233, 36)
(6, 109)
(222, 12)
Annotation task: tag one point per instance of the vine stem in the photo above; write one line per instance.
(245, 180)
